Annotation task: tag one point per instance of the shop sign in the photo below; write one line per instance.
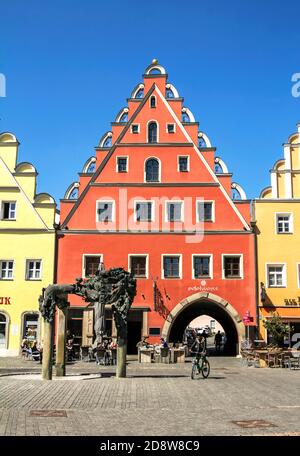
(4, 300)
(292, 301)
(203, 287)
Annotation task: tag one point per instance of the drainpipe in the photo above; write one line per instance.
(254, 229)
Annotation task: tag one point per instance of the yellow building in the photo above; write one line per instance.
(27, 246)
(277, 215)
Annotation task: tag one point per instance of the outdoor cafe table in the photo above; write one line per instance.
(146, 355)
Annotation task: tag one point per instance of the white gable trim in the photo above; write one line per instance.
(24, 194)
(202, 159)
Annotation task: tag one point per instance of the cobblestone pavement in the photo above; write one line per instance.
(151, 395)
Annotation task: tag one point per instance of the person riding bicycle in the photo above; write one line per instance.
(198, 347)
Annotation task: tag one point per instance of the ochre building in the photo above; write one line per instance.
(27, 244)
(277, 215)
(156, 200)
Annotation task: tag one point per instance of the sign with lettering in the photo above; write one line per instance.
(4, 300)
(292, 301)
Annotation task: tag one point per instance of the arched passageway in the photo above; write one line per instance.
(205, 304)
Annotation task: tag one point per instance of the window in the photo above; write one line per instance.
(202, 266)
(205, 211)
(152, 170)
(107, 142)
(7, 267)
(124, 117)
(183, 164)
(91, 168)
(140, 93)
(143, 211)
(152, 132)
(30, 326)
(154, 331)
(232, 268)
(9, 210)
(276, 275)
(174, 211)
(169, 93)
(284, 223)
(122, 164)
(152, 102)
(171, 128)
(171, 266)
(218, 168)
(138, 266)
(135, 128)
(91, 264)
(105, 211)
(185, 117)
(33, 269)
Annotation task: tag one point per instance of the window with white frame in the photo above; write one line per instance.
(105, 211)
(144, 211)
(276, 274)
(122, 164)
(202, 266)
(91, 264)
(284, 223)
(138, 266)
(6, 269)
(135, 128)
(153, 102)
(183, 164)
(8, 210)
(171, 128)
(232, 267)
(174, 211)
(205, 211)
(171, 266)
(33, 269)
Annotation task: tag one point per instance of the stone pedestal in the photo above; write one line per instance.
(47, 351)
(61, 343)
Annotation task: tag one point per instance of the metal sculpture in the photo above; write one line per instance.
(114, 286)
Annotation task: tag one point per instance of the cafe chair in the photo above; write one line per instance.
(165, 355)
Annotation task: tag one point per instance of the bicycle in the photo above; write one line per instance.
(200, 365)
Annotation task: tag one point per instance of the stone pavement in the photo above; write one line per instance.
(158, 400)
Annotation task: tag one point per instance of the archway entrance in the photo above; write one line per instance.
(205, 304)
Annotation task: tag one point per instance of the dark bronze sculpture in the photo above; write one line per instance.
(114, 286)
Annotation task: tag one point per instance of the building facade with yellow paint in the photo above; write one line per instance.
(277, 216)
(27, 248)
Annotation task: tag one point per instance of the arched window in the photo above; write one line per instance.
(91, 168)
(185, 117)
(155, 70)
(218, 168)
(74, 193)
(169, 93)
(201, 141)
(152, 170)
(108, 142)
(153, 102)
(124, 117)
(3, 331)
(152, 132)
(140, 93)
(235, 194)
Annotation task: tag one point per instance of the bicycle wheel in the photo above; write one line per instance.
(195, 372)
(205, 370)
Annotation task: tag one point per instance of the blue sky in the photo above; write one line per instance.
(70, 65)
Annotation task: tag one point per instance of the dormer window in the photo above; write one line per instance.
(171, 128)
(152, 132)
(152, 102)
(135, 128)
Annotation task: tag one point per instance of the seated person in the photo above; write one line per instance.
(24, 348)
(34, 351)
(198, 347)
(143, 343)
(163, 343)
(69, 349)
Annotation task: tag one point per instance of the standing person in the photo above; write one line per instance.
(218, 341)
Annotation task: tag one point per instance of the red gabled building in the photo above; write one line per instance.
(157, 201)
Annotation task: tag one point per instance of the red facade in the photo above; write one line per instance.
(157, 204)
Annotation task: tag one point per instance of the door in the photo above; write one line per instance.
(3, 331)
(134, 336)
